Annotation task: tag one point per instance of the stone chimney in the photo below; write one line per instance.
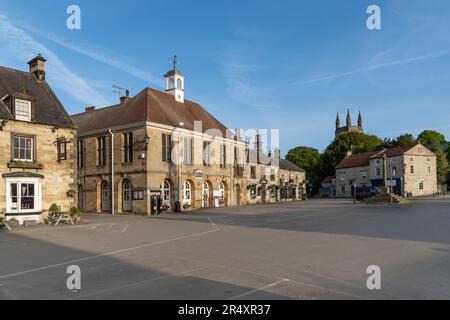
(90, 109)
(37, 67)
(125, 98)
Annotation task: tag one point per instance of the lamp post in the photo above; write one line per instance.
(354, 189)
(178, 204)
(112, 171)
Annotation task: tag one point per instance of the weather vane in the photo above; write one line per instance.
(175, 62)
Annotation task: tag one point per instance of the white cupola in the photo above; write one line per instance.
(175, 82)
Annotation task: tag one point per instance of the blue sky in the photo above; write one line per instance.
(288, 65)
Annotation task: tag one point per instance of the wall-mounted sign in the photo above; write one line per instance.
(199, 174)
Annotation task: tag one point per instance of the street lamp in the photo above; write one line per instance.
(354, 190)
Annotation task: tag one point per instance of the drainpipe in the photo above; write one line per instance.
(112, 171)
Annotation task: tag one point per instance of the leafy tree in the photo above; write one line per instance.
(349, 141)
(435, 141)
(432, 139)
(405, 140)
(308, 159)
(442, 166)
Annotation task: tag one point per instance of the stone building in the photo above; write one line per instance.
(406, 171)
(37, 139)
(349, 127)
(157, 150)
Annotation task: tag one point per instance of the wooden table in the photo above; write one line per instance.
(62, 217)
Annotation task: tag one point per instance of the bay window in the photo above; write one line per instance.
(23, 196)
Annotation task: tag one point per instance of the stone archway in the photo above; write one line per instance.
(105, 196)
(207, 194)
(127, 196)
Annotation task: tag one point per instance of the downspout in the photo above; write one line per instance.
(112, 171)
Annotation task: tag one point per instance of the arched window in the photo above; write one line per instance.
(222, 191)
(165, 193)
(180, 84)
(171, 83)
(206, 195)
(187, 193)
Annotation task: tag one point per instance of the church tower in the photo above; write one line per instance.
(349, 127)
(338, 122)
(360, 120)
(175, 82)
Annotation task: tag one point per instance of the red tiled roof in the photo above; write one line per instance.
(392, 152)
(356, 160)
(328, 180)
(152, 106)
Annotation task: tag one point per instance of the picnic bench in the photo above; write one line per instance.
(57, 217)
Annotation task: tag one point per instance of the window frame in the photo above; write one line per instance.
(101, 151)
(188, 155)
(207, 152)
(166, 147)
(80, 153)
(32, 149)
(19, 183)
(127, 147)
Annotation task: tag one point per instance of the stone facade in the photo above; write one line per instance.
(37, 140)
(58, 176)
(167, 151)
(409, 172)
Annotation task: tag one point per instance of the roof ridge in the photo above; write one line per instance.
(16, 70)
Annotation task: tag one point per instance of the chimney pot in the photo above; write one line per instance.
(37, 67)
(125, 98)
(90, 109)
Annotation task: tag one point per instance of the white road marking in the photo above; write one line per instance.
(107, 254)
(259, 289)
(212, 223)
(135, 284)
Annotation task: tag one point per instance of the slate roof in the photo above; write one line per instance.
(149, 105)
(47, 109)
(289, 166)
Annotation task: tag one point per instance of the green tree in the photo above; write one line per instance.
(350, 141)
(308, 159)
(442, 166)
(405, 140)
(432, 139)
(435, 141)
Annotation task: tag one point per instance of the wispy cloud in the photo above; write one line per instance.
(22, 46)
(114, 62)
(368, 68)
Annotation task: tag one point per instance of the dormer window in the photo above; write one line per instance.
(22, 110)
